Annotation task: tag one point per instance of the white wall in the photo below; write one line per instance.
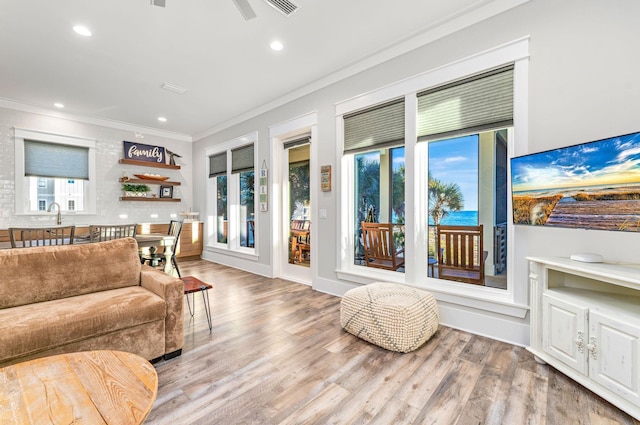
(583, 85)
(109, 150)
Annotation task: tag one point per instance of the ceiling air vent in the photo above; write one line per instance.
(286, 7)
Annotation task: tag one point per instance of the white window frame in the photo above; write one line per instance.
(22, 184)
(232, 247)
(512, 301)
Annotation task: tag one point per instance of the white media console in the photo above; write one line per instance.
(585, 322)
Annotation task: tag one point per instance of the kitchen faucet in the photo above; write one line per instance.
(59, 222)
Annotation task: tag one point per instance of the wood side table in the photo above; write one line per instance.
(96, 387)
(191, 286)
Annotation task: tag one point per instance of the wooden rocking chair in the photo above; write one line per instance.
(379, 249)
(461, 255)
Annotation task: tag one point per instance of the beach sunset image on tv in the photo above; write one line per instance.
(593, 185)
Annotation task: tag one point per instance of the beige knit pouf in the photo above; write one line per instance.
(392, 316)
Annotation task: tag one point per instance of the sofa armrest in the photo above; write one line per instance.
(170, 289)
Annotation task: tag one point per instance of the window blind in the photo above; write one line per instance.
(218, 164)
(42, 159)
(296, 142)
(242, 159)
(476, 103)
(379, 126)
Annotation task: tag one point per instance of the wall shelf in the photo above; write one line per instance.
(148, 164)
(141, 199)
(151, 181)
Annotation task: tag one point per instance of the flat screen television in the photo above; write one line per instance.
(593, 185)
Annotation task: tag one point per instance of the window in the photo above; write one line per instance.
(460, 149)
(54, 169)
(464, 170)
(379, 194)
(242, 170)
(453, 182)
(221, 209)
(232, 189)
(218, 172)
(374, 138)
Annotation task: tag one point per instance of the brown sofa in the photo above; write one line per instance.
(58, 299)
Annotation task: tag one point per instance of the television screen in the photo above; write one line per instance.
(593, 185)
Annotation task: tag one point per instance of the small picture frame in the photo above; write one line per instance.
(166, 191)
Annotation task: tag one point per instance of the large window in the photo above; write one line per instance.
(232, 190)
(54, 169)
(459, 153)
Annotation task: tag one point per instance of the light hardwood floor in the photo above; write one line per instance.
(277, 355)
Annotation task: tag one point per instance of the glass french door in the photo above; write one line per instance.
(298, 223)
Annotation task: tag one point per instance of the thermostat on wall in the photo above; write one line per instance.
(587, 258)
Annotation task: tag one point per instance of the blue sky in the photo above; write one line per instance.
(608, 161)
(456, 161)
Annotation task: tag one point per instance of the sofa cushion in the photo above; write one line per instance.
(32, 275)
(38, 327)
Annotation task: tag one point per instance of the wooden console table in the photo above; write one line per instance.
(97, 387)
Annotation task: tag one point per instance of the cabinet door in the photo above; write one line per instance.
(565, 332)
(614, 349)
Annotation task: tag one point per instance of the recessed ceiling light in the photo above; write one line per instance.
(277, 46)
(58, 105)
(162, 119)
(82, 30)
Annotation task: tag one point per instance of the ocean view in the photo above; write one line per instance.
(459, 218)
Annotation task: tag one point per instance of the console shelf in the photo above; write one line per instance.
(585, 322)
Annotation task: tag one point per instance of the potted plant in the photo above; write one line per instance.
(133, 190)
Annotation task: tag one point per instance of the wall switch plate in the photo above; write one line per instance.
(323, 213)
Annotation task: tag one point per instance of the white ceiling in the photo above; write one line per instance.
(203, 45)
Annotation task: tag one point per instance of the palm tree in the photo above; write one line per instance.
(443, 198)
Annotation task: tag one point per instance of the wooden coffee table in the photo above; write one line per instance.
(97, 387)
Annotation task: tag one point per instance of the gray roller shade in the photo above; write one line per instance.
(477, 103)
(242, 159)
(297, 142)
(218, 164)
(376, 127)
(42, 159)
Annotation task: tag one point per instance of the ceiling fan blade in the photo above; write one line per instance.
(245, 9)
